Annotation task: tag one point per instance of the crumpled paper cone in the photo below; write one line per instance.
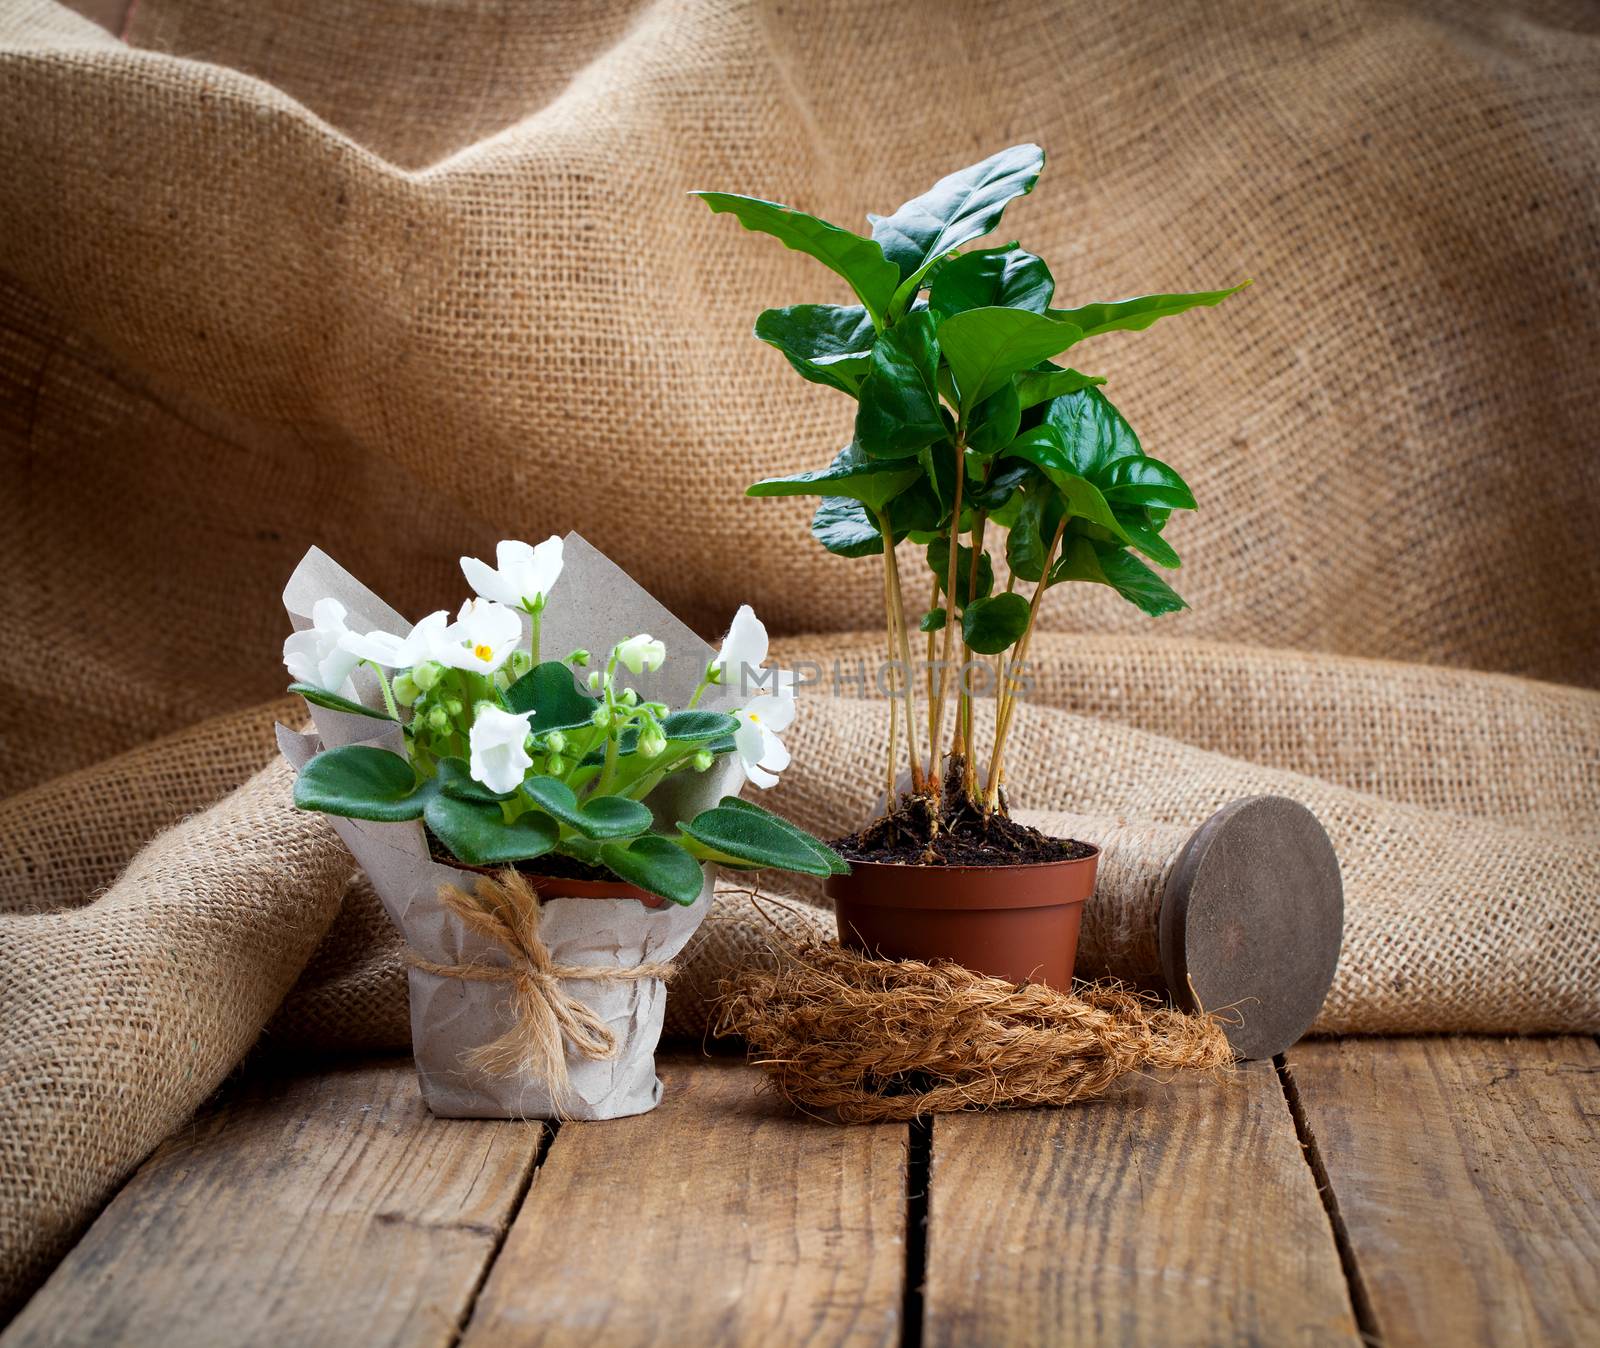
(594, 605)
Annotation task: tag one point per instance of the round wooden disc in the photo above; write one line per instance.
(1252, 920)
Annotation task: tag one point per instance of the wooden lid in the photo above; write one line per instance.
(1252, 920)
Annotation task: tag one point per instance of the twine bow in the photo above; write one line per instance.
(548, 1018)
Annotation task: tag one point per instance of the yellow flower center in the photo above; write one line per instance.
(483, 651)
(755, 718)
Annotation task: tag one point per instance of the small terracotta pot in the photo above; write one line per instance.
(1019, 923)
(556, 888)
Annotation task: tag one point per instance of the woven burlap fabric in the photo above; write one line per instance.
(403, 279)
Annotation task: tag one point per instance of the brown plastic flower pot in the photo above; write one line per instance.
(1019, 923)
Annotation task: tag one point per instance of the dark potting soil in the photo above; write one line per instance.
(953, 830)
(551, 864)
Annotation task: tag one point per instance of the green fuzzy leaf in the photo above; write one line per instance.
(991, 625)
(549, 691)
(478, 834)
(689, 727)
(361, 781)
(1107, 564)
(1134, 314)
(321, 697)
(939, 562)
(900, 412)
(1046, 381)
(1008, 277)
(873, 482)
(843, 526)
(986, 347)
(1080, 497)
(658, 866)
(827, 343)
(993, 423)
(860, 261)
(960, 207)
(933, 620)
(835, 863)
(1145, 481)
(597, 817)
(737, 837)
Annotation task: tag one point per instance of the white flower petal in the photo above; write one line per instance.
(775, 713)
(744, 651)
(511, 554)
(382, 648)
(774, 754)
(499, 753)
(487, 582)
(328, 615)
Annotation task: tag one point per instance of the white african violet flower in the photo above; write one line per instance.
(318, 655)
(761, 752)
(425, 641)
(482, 637)
(744, 652)
(642, 654)
(525, 575)
(499, 747)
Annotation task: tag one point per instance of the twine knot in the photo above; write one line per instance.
(548, 1019)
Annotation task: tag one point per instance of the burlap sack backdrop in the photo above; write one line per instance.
(401, 279)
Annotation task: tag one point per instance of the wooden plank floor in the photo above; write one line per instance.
(1417, 1191)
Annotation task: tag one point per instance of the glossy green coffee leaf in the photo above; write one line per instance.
(477, 833)
(1008, 277)
(656, 865)
(860, 261)
(835, 863)
(1093, 433)
(738, 837)
(598, 817)
(993, 423)
(900, 412)
(1145, 481)
(1003, 481)
(960, 207)
(1046, 381)
(1080, 497)
(1140, 312)
(360, 781)
(550, 692)
(992, 625)
(966, 592)
(873, 482)
(1032, 531)
(933, 620)
(827, 343)
(1107, 564)
(843, 527)
(321, 697)
(1138, 530)
(986, 347)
